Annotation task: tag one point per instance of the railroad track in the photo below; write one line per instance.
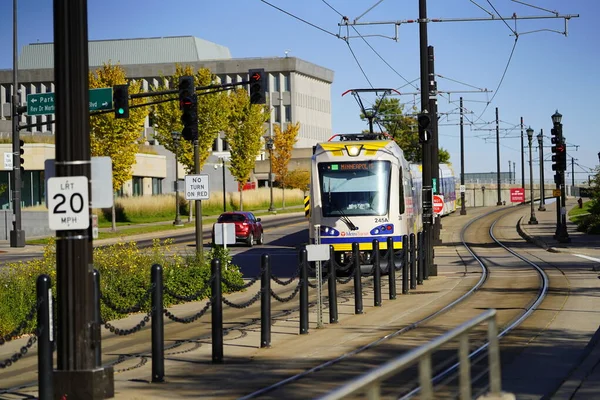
(506, 278)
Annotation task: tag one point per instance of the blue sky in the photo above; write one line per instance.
(547, 71)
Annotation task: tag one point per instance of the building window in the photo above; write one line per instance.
(277, 114)
(157, 185)
(215, 146)
(138, 186)
(226, 145)
(276, 83)
(286, 83)
(288, 113)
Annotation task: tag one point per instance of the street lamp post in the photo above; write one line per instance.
(562, 235)
(269, 142)
(224, 192)
(532, 219)
(176, 137)
(540, 139)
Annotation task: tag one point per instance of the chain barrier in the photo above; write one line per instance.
(246, 304)
(130, 310)
(193, 297)
(287, 282)
(189, 319)
(343, 281)
(125, 332)
(237, 288)
(324, 280)
(17, 331)
(22, 351)
(290, 297)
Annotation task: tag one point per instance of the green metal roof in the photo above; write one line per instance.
(177, 49)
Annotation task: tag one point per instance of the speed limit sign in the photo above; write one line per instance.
(68, 203)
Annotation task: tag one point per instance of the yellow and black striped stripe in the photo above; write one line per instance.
(306, 206)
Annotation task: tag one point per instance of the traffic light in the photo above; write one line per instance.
(21, 153)
(188, 104)
(559, 157)
(258, 87)
(424, 120)
(121, 101)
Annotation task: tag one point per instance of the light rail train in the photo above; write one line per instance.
(362, 188)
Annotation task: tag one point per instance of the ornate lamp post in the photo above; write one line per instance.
(532, 219)
(540, 139)
(176, 137)
(561, 229)
(269, 143)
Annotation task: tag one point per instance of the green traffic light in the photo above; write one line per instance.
(121, 111)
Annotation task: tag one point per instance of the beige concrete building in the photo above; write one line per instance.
(298, 91)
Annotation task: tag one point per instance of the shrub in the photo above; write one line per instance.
(124, 279)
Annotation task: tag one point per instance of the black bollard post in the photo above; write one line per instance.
(358, 301)
(302, 256)
(405, 251)
(217, 312)
(391, 268)
(158, 326)
(413, 272)
(420, 258)
(97, 344)
(265, 302)
(45, 339)
(376, 274)
(332, 288)
(424, 262)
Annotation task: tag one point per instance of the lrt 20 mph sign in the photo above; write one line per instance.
(196, 187)
(68, 203)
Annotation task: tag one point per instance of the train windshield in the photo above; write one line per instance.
(354, 188)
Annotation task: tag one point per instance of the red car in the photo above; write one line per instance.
(248, 228)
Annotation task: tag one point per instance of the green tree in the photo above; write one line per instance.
(212, 116)
(404, 129)
(116, 138)
(283, 142)
(244, 135)
(299, 179)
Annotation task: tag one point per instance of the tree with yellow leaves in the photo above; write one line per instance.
(212, 116)
(283, 142)
(244, 134)
(116, 138)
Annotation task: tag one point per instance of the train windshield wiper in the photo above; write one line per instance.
(344, 217)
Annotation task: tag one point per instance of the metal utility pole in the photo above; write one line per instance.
(435, 160)
(17, 235)
(463, 210)
(499, 203)
(572, 173)
(199, 233)
(78, 334)
(522, 160)
(509, 173)
(431, 269)
(542, 206)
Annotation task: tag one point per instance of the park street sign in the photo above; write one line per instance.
(68, 203)
(43, 103)
(196, 187)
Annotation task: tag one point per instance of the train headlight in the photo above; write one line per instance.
(353, 150)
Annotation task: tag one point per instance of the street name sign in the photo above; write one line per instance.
(68, 203)
(196, 187)
(43, 103)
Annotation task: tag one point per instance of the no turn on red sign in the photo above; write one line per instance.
(438, 203)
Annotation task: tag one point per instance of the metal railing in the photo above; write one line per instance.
(370, 383)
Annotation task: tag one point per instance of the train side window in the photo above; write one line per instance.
(401, 191)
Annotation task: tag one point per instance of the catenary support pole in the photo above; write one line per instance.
(499, 182)
(463, 209)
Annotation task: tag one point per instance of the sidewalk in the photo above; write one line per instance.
(584, 381)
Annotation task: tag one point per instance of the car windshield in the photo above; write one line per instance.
(232, 218)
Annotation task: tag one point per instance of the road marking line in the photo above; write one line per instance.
(588, 257)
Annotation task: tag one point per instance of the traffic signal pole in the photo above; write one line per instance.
(17, 235)
(427, 181)
(78, 335)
